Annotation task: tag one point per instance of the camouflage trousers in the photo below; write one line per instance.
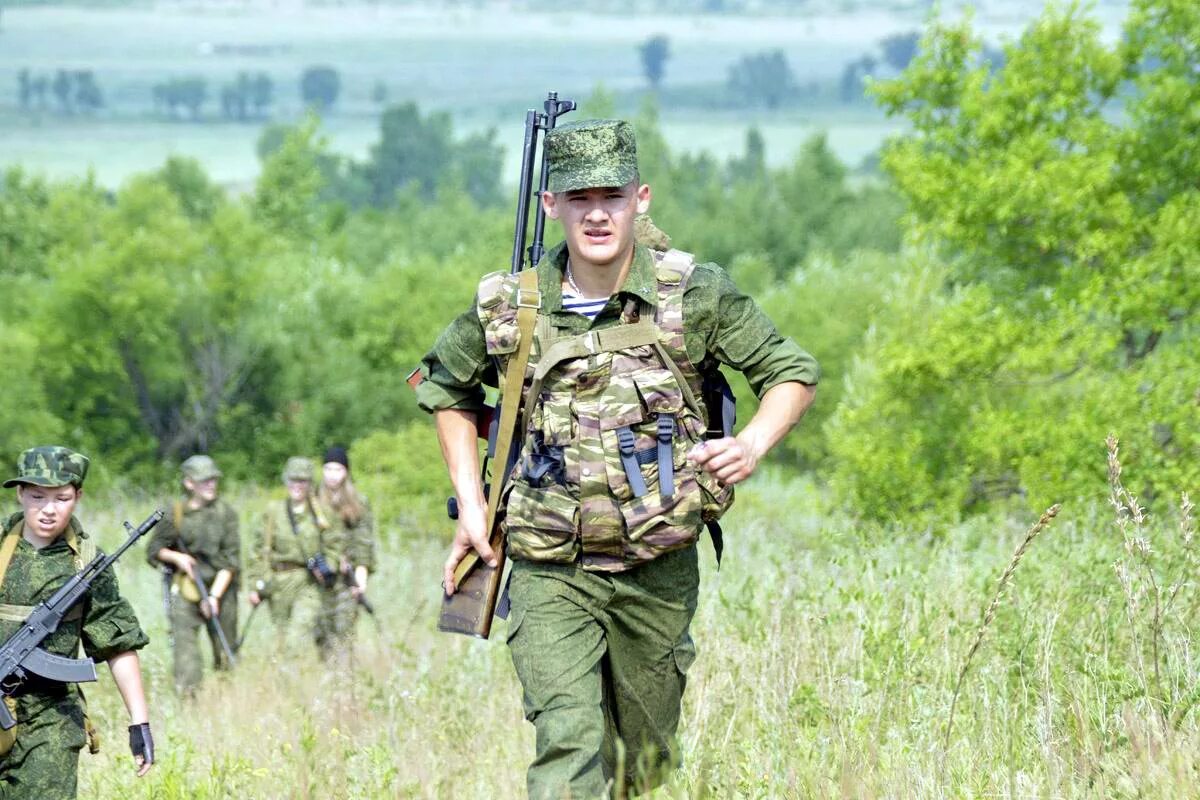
(44, 761)
(602, 659)
(298, 603)
(186, 623)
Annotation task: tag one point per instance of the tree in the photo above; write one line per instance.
(1071, 292)
(62, 90)
(762, 78)
(654, 53)
(87, 93)
(319, 87)
(262, 93)
(24, 89)
(900, 49)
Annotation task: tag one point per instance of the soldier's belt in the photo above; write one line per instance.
(286, 566)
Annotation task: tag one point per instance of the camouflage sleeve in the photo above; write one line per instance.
(229, 551)
(360, 550)
(730, 326)
(453, 368)
(258, 561)
(110, 626)
(163, 535)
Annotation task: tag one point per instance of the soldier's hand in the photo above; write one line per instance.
(210, 607)
(472, 534)
(141, 744)
(254, 598)
(729, 459)
(186, 563)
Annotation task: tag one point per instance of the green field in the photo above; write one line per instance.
(829, 651)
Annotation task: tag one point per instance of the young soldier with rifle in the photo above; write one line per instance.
(607, 353)
(198, 548)
(292, 571)
(59, 600)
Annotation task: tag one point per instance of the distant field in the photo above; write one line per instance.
(482, 65)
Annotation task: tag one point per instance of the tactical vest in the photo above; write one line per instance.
(609, 416)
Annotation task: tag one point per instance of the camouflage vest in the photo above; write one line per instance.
(608, 419)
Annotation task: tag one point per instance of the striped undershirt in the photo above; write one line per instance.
(587, 306)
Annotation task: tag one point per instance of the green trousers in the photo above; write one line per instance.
(44, 761)
(298, 603)
(186, 623)
(602, 659)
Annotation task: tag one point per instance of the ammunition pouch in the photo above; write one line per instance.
(185, 587)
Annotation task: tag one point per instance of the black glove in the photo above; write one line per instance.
(141, 742)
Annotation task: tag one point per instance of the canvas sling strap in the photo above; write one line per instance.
(85, 551)
(529, 301)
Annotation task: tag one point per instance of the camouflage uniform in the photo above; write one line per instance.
(603, 508)
(210, 533)
(44, 761)
(343, 543)
(286, 539)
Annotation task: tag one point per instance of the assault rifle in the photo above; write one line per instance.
(469, 610)
(22, 654)
(327, 578)
(206, 598)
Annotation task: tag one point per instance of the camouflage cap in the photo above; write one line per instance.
(200, 468)
(591, 153)
(50, 465)
(298, 468)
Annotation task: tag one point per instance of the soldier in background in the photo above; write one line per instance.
(199, 536)
(41, 548)
(348, 547)
(616, 476)
(291, 533)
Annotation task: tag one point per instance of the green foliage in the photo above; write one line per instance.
(763, 77)
(402, 470)
(320, 87)
(1069, 304)
(654, 53)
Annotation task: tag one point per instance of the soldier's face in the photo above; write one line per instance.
(47, 510)
(297, 490)
(598, 223)
(333, 474)
(205, 490)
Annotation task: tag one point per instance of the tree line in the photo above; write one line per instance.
(1022, 284)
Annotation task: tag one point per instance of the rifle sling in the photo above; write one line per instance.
(529, 301)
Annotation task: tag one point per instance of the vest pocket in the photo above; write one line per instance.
(541, 524)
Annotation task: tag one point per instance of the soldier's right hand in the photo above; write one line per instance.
(186, 563)
(141, 744)
(472, 534)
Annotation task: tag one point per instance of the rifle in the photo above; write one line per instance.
(205, 597)
(260, 587)
(469, 610)
(22, 654)
(326, 577)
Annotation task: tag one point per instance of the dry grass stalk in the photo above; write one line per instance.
(990, 614)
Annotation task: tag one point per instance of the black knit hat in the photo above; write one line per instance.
(337, 455)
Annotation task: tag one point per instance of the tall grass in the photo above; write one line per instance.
(828, 655)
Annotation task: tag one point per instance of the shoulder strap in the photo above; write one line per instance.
(529, 301)
(177, 517)
(6, 551)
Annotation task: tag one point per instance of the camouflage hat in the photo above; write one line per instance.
(50, 465)
(591, 153)
(200, 468)
(298, 468)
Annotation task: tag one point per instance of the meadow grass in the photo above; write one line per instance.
(829, 652)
